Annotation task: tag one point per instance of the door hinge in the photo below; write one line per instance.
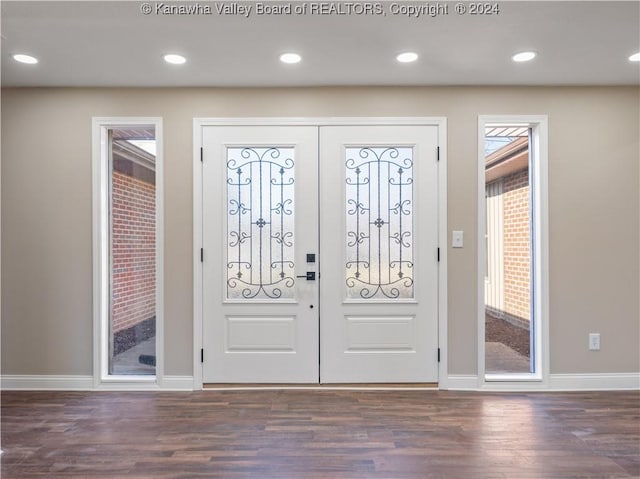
(201, 154)
(438, 354)
(202, 355)
(438, 255)
(437, 153)
(201, 255)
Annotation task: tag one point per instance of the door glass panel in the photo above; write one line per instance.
(379, 222)
(260, 223)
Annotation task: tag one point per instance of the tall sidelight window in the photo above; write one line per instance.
(512, 249)
(508, 328)
(132, 214)
(127, 209)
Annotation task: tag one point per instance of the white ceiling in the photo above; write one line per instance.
(96, 43)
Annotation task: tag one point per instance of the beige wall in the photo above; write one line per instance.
(46, 211)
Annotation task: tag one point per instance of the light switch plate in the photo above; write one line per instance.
(457, 239)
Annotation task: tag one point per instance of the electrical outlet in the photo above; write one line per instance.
(594, 341)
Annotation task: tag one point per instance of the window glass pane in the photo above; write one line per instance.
(379, 222)
(508, 331)
(132, 325)
(260, 223)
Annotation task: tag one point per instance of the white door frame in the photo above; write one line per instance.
(540, 250)
(199, 123)
(101, 268)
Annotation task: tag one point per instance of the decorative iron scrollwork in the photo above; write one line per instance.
(260, 202)
(379, 209)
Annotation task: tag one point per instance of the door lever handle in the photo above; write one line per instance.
(310, 276)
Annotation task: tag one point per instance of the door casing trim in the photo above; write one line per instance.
(200, 123)
(539, 124)
(101, 267)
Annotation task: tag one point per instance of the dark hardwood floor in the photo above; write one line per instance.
(320, 434)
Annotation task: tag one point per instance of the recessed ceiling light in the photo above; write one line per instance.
(290, 58)
(635, 57)
(523, 57)
(28, 59)
(407, 57)
(174, 59)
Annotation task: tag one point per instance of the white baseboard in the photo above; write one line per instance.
(177, 383)
(556, 382)
(46, 383)
(454, 382)
(594, 382)
(85, 383)
(460, 382)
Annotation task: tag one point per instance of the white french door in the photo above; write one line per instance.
(319, 254)
(260, 219)
(379, 246)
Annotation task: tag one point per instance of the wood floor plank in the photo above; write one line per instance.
(320, 434)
